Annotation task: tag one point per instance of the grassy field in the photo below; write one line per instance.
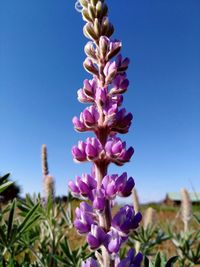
(45, 228)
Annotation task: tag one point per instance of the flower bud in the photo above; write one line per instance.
(84, 3)
(94, 2)
(89, 32)
(115, 47)
(110, 30)
(90, 50)
(90, 67)
(104, 10)
(104, 43)
(85, 15)
(97, 27)
(89, 88)
(91, 11)
(110, 71)
(104, 26)
(99, 7)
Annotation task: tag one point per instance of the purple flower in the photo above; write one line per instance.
(89, 150)
(101, 95)
(108, 49)
(87, 93)
(89, 263)
(112, 242)
(114, 48)
(83, 186)
(120, 84)
(74, 189)
(110, 109)
(99, 199)
(93, 148)
(110, 71)
(84, 218)
(78, 125)
(124, 185)
(82, 97)
(89, 87)
(122, 64)
(88, 120)
(78, 152)
(131, 260)
(116, 151)
(117, 185)
(126, 220)
(109, 185)
(122, 122)
(118, 99)
(96, 236)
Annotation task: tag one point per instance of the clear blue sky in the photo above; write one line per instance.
(41, 54)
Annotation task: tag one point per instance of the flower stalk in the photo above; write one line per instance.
(105, 118)
(186, 209)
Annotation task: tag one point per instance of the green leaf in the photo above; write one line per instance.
(171, 261)
(4, 186)
(28, 219)
(146, 262)
(3, 237)
(158, 260)
(10, 220)
(197, 218)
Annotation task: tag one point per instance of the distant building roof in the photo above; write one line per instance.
(195, 197)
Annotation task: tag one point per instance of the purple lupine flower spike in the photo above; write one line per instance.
(105, 118)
